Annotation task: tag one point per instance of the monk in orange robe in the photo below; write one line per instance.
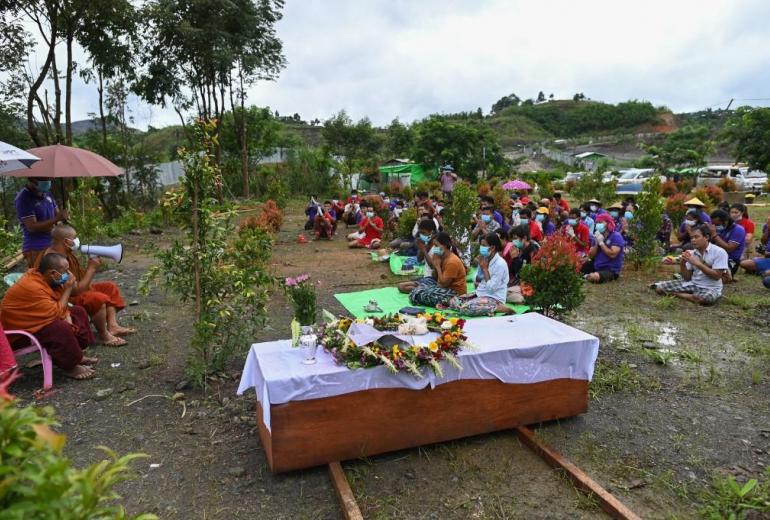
(38, 303)
(102, 300)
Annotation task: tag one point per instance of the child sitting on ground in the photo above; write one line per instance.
(370, 229)
(325, 222)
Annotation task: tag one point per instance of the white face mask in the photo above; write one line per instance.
(75, 244)
(691, 223)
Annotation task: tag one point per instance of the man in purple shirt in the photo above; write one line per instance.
(729, 236)
(606, 253)
(447, 179)
(38, 214)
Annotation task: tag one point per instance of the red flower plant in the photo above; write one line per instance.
(556, 251)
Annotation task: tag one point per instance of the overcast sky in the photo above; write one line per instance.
(407, 59)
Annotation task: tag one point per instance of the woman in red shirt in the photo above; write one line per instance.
(740, 215)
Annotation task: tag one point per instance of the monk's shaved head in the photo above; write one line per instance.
(63, 231)
(53, 261)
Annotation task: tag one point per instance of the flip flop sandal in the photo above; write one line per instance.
(89, 361)
(117, 342)
(82, 376)
(127, 332)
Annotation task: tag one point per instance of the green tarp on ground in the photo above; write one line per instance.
(390, 301)
(396, 261)
(414, 171)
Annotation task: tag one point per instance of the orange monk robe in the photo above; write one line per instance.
(31, 304)
(100, 293)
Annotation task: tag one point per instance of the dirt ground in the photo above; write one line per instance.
(655, 434)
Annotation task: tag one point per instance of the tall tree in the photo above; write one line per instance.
(689, 146)
(353, 145)
(748, 132)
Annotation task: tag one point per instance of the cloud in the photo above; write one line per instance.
(396, 58)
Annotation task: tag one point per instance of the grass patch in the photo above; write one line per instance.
(665, 303)
(747, 303)
(726, 498)
(609, 379)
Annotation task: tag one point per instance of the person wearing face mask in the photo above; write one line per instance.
(585, 217)
(521, 253)
(740, 215)
(371, 226)
(729, 236)
(691, 221)
(616, 212)
(561, 202)
(595, 207)
(702, 269)
(577, 232)
(485, 223)
(38, 214)
(38, 303)
(448, 274)
(543, 219)
(696, 204)
(534, 229)
(491, 283)
(101, 300)
(606, 253)
(426, 230)
(516, 208)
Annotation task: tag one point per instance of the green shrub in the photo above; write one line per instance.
(406, 223)
(646, 223)
(10, 240)
(38, 481)
(552, 283)
(458, 214)
(278, 192)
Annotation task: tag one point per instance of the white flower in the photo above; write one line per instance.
(447, 325)
(369, 322)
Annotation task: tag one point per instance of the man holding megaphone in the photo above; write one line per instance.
(102, 300)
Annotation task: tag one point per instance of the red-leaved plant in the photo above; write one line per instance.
(553, 280)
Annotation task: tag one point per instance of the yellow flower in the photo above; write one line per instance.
(395, 350)
(439, 318)
(453, 321)
(415, 349)
(433, 346)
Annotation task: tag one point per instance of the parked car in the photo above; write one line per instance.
(573, 176)
(745, 179)
(635, 176)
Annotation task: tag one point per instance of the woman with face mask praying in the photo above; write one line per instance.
(448, 274)
(491, 283)
(370, 229)
(606, 253)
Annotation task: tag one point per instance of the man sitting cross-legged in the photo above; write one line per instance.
(702, 270)
(101, 300)
(38, 303)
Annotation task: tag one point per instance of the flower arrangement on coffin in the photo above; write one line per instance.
(301, 293)
(397, 358)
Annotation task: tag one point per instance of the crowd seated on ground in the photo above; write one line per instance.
(605, 258)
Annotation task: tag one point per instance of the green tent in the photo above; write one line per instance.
(395, 172)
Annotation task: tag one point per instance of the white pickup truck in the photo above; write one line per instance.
(745, 179)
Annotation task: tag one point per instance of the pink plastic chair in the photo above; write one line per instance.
(35, 346)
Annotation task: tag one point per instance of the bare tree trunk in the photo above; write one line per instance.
(68, 99)
(100, 90)
(56, 101)
(32, 96)
(244, 142)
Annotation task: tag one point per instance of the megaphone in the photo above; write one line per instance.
(115, 252)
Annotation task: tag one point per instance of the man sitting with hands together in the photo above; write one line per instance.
(702, 269)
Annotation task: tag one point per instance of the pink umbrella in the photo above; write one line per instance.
(516, 185)
(59, 161)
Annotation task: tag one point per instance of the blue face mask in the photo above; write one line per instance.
(43, 186)
(540, 218)
(62, 280)
(424, 238)
(601, 227)
(720, 228)
(515, 212)
(524, 220)
(628, 215)
(583, 214)
(572, 222)
(614, 214)
(484, 251)
(517, 243)
(369, 214)
(437, 251)
(486, 218)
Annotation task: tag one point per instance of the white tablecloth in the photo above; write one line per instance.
(514, 349)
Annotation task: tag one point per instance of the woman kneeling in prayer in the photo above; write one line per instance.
(448, 274)
(491, 282)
